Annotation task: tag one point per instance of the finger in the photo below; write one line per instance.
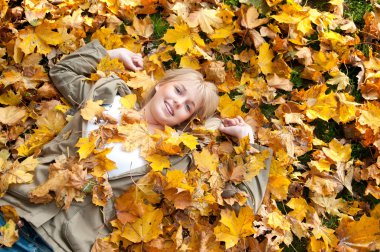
(240, 119)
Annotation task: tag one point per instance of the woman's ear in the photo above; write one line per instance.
(157, 87)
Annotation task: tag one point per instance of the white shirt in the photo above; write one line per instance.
(125, 161)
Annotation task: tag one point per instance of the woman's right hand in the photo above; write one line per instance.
(237, 127)
(132, 61)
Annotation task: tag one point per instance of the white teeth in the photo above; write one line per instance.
(169, 108)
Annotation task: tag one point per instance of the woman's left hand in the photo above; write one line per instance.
(237, 127)
(132, 61)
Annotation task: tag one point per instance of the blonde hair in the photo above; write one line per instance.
(206, 90)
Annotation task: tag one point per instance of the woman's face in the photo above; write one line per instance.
(174, 103)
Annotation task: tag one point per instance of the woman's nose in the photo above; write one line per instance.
(179, 102)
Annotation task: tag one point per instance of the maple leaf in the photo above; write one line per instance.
(232, 228)
(10, 98)
(102, 163)
(141, 27)
(361, 235)
(370, 115)
(230, 108)
(16, 173)
(277, 220)
(140, 80)
(45, 33)
(279, 83)
(189, 62)
(108, 38)
(324, 107)
(49, 125)
(255, 163)
(265, 59)
(320, 231)
(337, 151)
(86, 145)
(30, 41)
(158, 162)
(9, 234)
(136, 136)
(92, 109)
(205, 161)
(206, 18)
(183, 38)
(144, 229)
(12, 115)
(128, 101)
(250, 18)
(101, 245)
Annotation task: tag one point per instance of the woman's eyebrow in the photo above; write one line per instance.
(183, 87)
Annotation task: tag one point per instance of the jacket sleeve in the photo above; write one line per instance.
(69, 75)
(255, 188)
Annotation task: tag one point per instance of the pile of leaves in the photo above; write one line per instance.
(306, 77)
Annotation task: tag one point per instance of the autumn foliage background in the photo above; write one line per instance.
(304, 74)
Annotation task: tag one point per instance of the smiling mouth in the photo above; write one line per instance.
(169, 109)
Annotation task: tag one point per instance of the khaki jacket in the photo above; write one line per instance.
(77, 228)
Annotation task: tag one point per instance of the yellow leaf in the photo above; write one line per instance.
(108, 65)
(10, 98)
(189, 62)
(299, 206)
(346, 108)
(325, 61)
(158, 162)
(265, 59)
(49, 125)
(339, 79)
(140, 80)
(277, 220)
(232, 228)
(321, 165)
(45, 33)
(31, 41)
(255, 164)
(370, 115)
(230, 108)
(205, 161)
(129, 101)
(324, 107)
(86, 146)
(8, 234)
(103, 164)
(108, 38)
(337, 151)
(136, 135)
(326, 234)
(184, 40)
(174, 178)
(12, 115)
(189, 141)
(92, 109)
(251, 19)
(144, 229)
(207, 19)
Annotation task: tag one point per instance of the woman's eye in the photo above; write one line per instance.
(178, 90)
(188, 108)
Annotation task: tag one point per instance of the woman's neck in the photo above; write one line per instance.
(149, 118)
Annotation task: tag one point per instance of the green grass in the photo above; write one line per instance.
(298, 245)
(331, 221)
(160, 25)
(355, 9)
(268, 110)
(327, 131)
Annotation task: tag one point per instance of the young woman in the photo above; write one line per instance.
(179, 96)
